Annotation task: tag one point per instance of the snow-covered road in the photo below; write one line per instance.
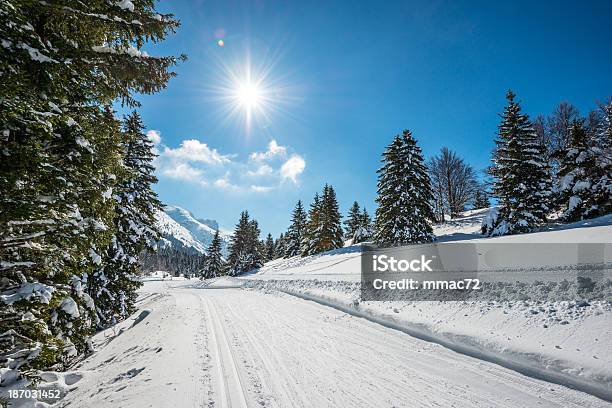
(231, 347)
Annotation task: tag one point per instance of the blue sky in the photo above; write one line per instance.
(342, 78)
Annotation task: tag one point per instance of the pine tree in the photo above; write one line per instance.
(214, 261)
(238, 245)
(404, 212)
(353, 221)
(246, 250)
(330, 231)
(295, 233)
(601, 200)
(61, 64)
(310, 238)
(280, 246)
(323, 230)
(256, 247)
(55, 216)
(481, 199)
(521, 175)
(364, 231)
(270, 251)
(577, 170)
(113, 286)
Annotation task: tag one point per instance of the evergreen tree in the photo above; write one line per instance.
(481, 199)
(270, 251)
(256, 246)
(238, 245)
(295, 233)
(246, 250)
(175, 261)
(521, 175)
(364, 231)
(214, 261)
(577, 169)
(280, 246)
(323, 229)
(601, 200)
(310, 238)
(113, 286)
(353, 221)
(330, 232)
(404, 212)
(61, 64)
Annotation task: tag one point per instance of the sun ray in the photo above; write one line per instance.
(253, 94)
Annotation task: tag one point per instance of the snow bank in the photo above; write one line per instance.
(52, 387)
(540, 331)
(561, 342)
(58, 385)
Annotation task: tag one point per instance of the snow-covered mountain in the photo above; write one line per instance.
(182, 230)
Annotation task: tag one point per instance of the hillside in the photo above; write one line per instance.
(183, 231)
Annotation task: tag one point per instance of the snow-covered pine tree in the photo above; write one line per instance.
(310, 236)
(269, 251)
(60, 65)
(353, 221)
(256, 247)
(404, 212)
(113, 285)
(238, 245)
(97, 207)
(246, 250)
(577, 170)
(330, 231)
(294, 236)
(280, 246)
(364, 231)
(54, 215)
(521, 175)
(323, 230)
(214, 261)
(481, 199)
(601, 199)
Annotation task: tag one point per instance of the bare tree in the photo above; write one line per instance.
(540, 125)
(438, 188)
(553, 133)
(559, 125)
(453, 181)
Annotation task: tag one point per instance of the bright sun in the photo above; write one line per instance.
(256, 93)
(249, 95)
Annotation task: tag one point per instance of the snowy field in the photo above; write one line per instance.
(215, 344)
(296, 334)
(543, 333)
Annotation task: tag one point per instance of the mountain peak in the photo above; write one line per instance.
(181, 229)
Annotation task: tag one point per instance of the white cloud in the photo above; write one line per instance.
(292, 168)
(196, 162)
(274, 150)
(263, 170)
(261, 189)
(195, 151)
(183, 171)
(154, 136)
(225, 184)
